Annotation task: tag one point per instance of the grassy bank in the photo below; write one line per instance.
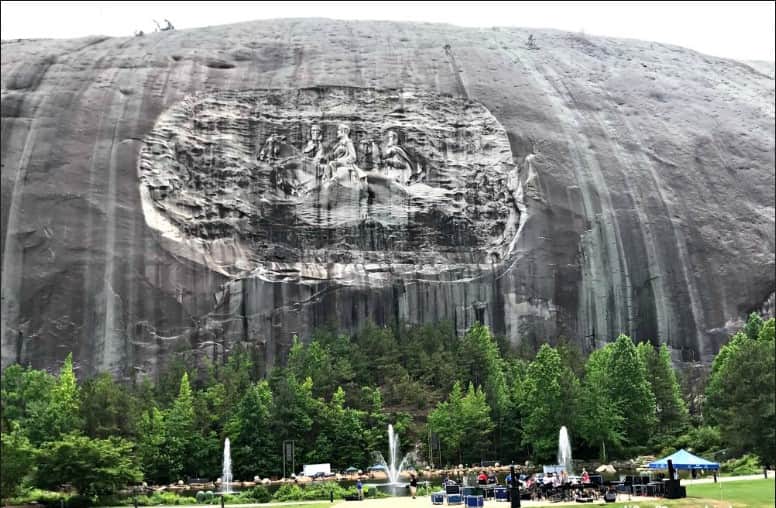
(738, 494)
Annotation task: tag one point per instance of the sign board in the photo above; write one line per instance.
(289, 447)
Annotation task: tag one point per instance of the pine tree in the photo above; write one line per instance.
(670, 408)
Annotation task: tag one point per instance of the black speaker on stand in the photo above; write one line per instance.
(672, 487)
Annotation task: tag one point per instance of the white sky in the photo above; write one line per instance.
(741, 30)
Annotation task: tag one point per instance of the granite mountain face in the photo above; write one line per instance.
(189, 190)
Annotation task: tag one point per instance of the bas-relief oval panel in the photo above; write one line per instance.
(331, 183)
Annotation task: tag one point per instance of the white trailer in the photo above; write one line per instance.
(314, 469)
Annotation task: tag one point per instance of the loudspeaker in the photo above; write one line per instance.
(674, 490)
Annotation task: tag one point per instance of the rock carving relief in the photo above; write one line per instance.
(330, 183)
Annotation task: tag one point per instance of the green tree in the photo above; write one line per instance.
(477, 424)
(167, 385)
(250, 434)
(343, 355)
(211, 410)
(107, 409)
(481, 364)
(168, 439)
(92, 466)
(630, 390)
(313, 361)
(375, 421)
(237, 373)
(753, 325)
(550, 394)
(17, 460)
(444, 421)
(180, 431)
(512, 435)
(341, 437)
(463, 419)
(670, 408)
(740, 393)
(571, 356)
(428, 353)
(600, 422)
(767, 331)
(294, 413)
(62, 413)
(26, 396)
(704, 440)
(375, 356)
(158, 464)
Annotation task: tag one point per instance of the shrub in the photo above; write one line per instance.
(200, 497)
(315, 491)
(748, 464)
(42, 497)
(259, 493)
(701, 440)
(288, 492)
(50, 499)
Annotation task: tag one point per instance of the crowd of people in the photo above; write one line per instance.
(552, 485)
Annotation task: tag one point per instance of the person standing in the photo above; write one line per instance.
(492, 480)
(360, 489)
(413, 485)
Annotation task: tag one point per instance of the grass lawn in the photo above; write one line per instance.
(738, 494)
(754, 493)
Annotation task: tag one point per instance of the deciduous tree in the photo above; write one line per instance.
(92, 466)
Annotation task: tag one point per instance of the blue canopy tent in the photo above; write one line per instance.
(684, 460)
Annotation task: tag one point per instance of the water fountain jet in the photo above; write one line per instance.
(397, 464)
(226, 473)
(564, 451)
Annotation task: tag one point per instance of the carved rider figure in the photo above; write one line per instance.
(395, 157)
(344, 154)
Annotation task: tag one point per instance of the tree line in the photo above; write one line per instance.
(454, 399)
